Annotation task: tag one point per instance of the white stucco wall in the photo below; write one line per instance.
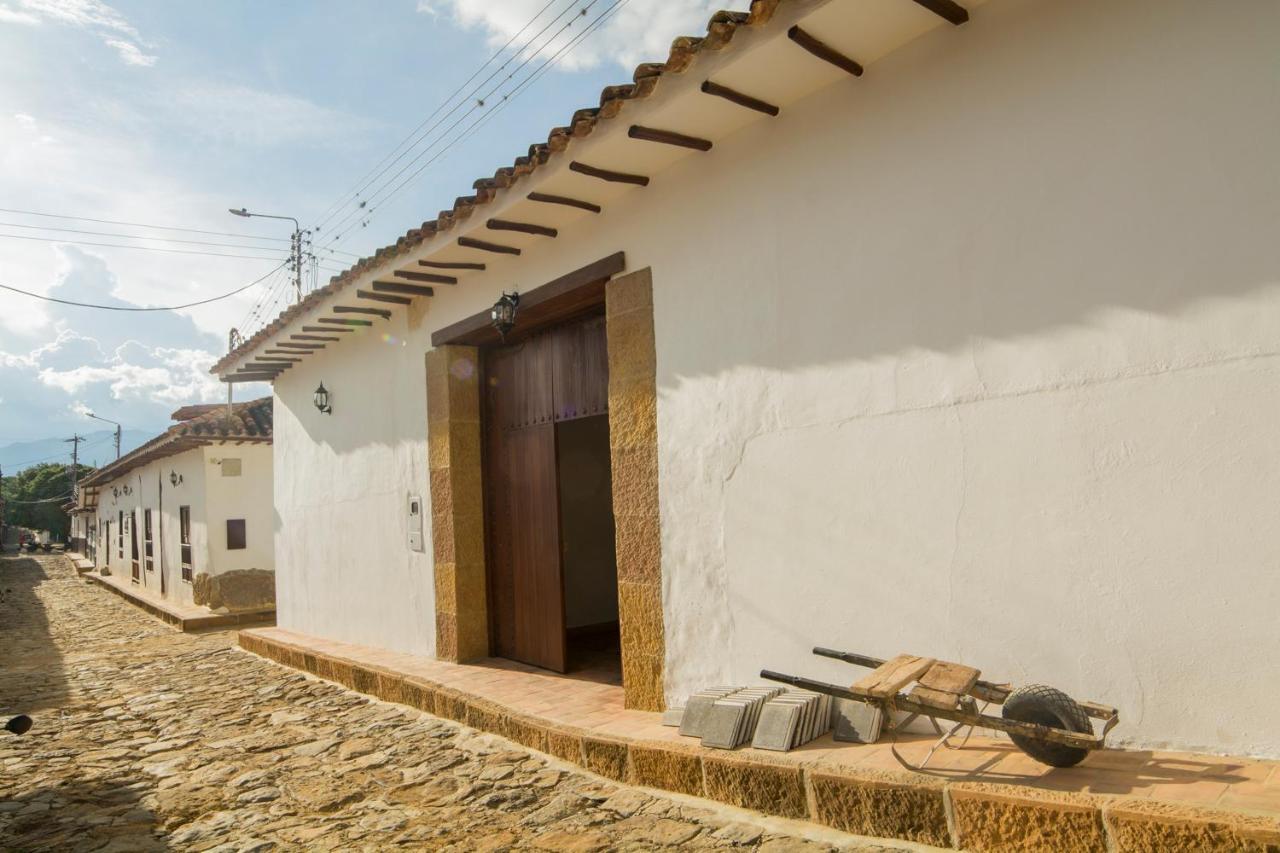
(974, 357)
(151, 488)
(247, 497)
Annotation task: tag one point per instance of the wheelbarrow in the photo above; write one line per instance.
(1043, 722)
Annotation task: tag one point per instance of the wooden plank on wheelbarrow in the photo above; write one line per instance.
(944, 684)
(892, 675)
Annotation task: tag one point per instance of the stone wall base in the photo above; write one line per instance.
(873, 803)
(236, 591)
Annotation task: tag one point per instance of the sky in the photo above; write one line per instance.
(169, 113)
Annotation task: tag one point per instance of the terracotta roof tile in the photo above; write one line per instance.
(720, 31)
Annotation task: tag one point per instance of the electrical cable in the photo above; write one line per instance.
(134, 308)
(143, 225)
(369, 205)
(373, 173)
(143, 248)
(135, 236)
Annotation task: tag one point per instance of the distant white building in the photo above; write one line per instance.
(188, 515)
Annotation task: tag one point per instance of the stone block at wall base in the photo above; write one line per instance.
(881, 808)
(987, 821)
(235, 591)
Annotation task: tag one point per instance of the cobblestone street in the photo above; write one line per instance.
(149, 739)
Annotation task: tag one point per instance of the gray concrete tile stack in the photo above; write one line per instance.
(792, 719)
(732, 720)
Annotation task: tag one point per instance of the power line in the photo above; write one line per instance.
(480, 103)
(142, 225)
(373, 173)
(142, 248)
(135, 236)
(510, 96)
(133, 308)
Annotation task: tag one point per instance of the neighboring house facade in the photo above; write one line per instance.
(82, 510)
(972, 355)
(188, 515)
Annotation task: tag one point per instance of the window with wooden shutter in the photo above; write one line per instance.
(235, 534)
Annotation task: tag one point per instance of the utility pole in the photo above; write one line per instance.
(105, 420)
(75, 461)
(295, 245)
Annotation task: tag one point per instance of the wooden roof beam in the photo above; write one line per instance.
(607, 175)
(948, 10)
(485, 246)
(824, 51)
(522, 227)
(286, 352)
(740, 99)
(402, 288)
(321, 329)
(668, 137)
(356, 309)
(343, 321)
(452, 265)
(382, 297)
(546, 198)
(315, 337)
(293, 346)
(426, 276)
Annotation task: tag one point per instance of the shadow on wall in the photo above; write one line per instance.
(982, 195)
(32, 675)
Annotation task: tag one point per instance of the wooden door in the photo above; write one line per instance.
(552, 376)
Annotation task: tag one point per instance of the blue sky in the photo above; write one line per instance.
(168, 113)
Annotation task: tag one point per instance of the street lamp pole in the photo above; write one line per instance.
(295, 245)
(96, 418)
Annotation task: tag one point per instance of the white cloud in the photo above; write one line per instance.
(148, 374)
(241, 115)
(97, 17)
(131, 54)
(640, 31)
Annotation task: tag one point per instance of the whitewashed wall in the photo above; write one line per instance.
(247, 496)
(147, 483)
(974, 357)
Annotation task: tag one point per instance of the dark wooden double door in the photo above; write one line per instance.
(532, 386)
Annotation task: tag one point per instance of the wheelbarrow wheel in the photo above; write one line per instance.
(1047, 706)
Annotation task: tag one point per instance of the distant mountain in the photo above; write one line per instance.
(98, 447)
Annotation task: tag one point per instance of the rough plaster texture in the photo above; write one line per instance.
(968, 357)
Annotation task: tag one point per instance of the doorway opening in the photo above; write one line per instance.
(551, 563)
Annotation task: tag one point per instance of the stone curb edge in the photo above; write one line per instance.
(876, 804)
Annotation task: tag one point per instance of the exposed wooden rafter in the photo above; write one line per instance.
(286, 352)
(293, 346)
(607, 175)
(322, 329)
(249, 377)
(947, 10)
(425, 276)
(357, 309)
(484, 245)
(452, 265)
(668, 137)
(824, 51)
(546, 198)
(315, 337)
(343, 321)
(383, 297)
(522, 227)
(740, 99)
(402, 288)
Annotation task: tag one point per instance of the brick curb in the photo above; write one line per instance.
(878, 804)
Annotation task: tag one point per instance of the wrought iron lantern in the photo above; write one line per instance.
(174, 477)
(321, 399)
(503, 313)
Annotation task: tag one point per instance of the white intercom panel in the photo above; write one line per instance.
(415, 523)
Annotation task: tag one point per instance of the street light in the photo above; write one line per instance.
(96, 418)
(295, 251)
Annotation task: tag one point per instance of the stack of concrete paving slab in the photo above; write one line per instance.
(792, 719)
(732, 720)
(694, 719)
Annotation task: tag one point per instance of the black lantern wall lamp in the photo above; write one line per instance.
(174, 478)
(321, 399)
(503, 313)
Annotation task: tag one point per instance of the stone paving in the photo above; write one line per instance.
(149, 739)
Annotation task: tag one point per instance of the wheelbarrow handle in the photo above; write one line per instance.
(987, 691)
